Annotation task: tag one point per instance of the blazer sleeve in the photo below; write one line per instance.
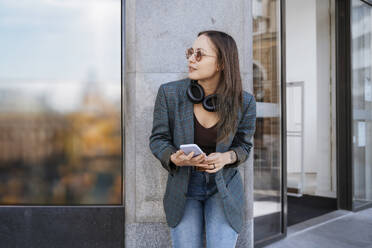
(242, 142)
(161, 139)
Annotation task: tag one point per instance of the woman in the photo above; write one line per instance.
(210, 109)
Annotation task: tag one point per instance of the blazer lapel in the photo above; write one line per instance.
(189, 120)
(188, 125)
(223, 147)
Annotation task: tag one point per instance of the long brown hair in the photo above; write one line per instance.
(229, 88)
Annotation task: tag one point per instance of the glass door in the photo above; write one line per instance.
(268, 141)
(361, 84)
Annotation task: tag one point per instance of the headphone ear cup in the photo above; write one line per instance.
(210, 102)
(195, 92)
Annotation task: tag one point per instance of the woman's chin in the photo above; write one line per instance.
(193, 76)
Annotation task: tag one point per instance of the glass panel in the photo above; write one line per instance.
(60, 102)
(310, 109)
(267, 139)
(361, 31)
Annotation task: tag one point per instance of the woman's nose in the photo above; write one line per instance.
(192, 58)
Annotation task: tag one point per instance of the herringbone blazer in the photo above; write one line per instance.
(173, 126)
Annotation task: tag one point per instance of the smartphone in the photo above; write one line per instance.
(188, 148)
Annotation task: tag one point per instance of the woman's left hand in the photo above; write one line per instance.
(218, 159)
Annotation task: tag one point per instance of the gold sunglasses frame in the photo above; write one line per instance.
(198, 54)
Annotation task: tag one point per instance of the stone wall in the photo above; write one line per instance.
(156, 36)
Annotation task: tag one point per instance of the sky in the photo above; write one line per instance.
(50, 49)
(60, 39)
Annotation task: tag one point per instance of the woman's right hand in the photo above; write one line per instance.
(179, 158)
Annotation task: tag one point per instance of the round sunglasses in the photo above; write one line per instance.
(198, 54)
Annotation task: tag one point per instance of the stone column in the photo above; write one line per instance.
(156, 36)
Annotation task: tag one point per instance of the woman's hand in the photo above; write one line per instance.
(179, 158)
(218, 159)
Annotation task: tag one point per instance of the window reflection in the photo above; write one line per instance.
(267, 140)
(60, 102)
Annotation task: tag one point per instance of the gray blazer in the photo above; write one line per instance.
(173, 126)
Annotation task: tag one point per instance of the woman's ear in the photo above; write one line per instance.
(221, 67)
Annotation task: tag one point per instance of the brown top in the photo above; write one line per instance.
(204, 137)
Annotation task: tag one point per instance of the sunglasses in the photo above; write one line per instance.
(198, 54)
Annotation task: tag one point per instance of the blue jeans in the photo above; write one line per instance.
(203, 210)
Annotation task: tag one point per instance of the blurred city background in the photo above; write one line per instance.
(60, 102)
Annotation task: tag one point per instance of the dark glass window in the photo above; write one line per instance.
(60, 102)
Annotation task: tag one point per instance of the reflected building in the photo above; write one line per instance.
(267, 139)
(60, 158)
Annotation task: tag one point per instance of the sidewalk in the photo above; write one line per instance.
(339, 229)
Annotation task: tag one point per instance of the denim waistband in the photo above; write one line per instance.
(201, 184)
(208, 176)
